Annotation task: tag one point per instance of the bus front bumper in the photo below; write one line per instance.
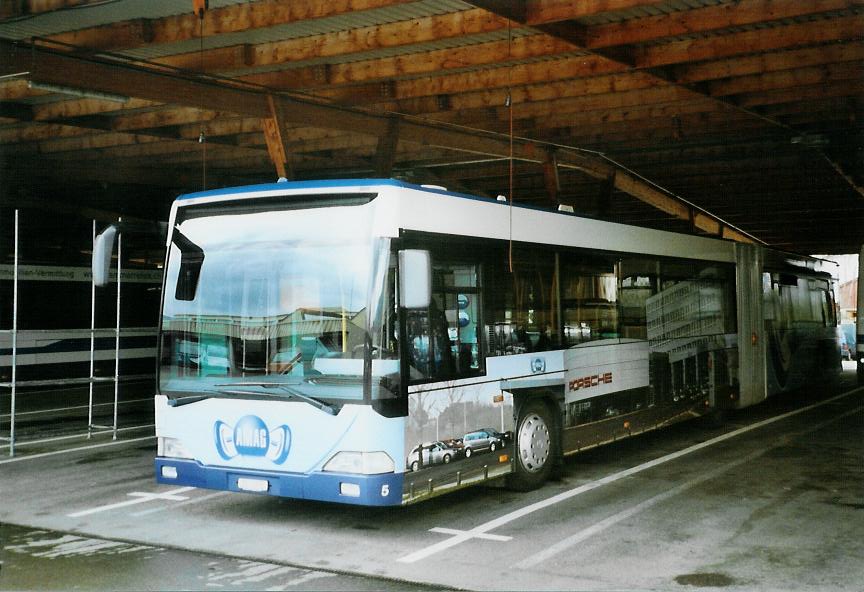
(366, 490)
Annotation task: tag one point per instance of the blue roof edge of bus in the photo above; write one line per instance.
(328, 184)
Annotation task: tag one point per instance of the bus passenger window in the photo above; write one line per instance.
(443, 340)
(522, 306)
(589, 299)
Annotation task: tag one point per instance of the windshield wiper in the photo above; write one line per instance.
(180, 401)
(318, 404)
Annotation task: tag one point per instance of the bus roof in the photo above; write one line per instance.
(324, 184)
(472, 218)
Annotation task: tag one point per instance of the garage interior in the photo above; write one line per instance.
(740, 119)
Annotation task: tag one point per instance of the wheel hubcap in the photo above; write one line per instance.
(534, 443)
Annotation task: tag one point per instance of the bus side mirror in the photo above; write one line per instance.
(415, 279)
(102, 249)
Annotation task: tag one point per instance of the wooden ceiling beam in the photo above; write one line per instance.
(581, 71)
(217, 21)
(495, 92)
(542, 12)
(843, 28)
(524, 73)
(68, 109)
(769, 62)
(802, 93)
(350, 41)
(806, 76)
(480, 54)
(575, 105)
(13, 90)
(710, 18)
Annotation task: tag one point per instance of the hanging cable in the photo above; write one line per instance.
(202, 137)
(508, 102)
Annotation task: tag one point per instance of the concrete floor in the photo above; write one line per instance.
(771, 501)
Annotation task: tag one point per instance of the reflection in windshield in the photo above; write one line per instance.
(275, 299)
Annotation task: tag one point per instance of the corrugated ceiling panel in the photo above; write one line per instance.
(85, 16)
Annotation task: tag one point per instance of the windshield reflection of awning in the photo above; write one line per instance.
(263, 327)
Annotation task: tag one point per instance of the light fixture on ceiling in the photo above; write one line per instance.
(77, 92)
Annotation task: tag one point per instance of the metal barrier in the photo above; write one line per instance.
(14, 383)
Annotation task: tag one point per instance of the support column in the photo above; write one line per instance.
(385, 153)
(273, 127)
(550, 176)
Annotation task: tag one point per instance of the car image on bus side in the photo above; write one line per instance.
(480, 440)
(431, 453)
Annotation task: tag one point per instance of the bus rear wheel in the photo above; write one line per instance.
(535, 447)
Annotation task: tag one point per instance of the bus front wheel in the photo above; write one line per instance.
(535, 447)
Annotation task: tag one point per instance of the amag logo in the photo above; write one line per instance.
(250, 437)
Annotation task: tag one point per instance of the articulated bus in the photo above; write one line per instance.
(375, 342)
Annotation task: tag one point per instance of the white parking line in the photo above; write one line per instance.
(486, 536)
(606, 523)
(196, 500)
(462, 536)
(138, 497)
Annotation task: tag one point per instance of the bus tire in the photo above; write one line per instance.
(535, 447)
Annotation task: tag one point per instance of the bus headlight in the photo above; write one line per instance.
(363, 463)
(171, 448)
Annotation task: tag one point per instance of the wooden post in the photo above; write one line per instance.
(385, 153)
(550, 176)
(273, 127)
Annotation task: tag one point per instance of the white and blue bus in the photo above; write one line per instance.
(376, 342)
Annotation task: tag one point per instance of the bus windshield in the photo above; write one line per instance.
(276, 304)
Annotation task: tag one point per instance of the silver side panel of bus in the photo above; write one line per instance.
(859, 331)
(752, 340)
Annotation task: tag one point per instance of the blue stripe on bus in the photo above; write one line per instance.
(332, 184)
(375, 490)
(360, 184)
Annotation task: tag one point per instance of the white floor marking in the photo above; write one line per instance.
(606, 523)
(77, 449)
(482, 535)
(138, 497)
(463, 536)
(196, 500)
